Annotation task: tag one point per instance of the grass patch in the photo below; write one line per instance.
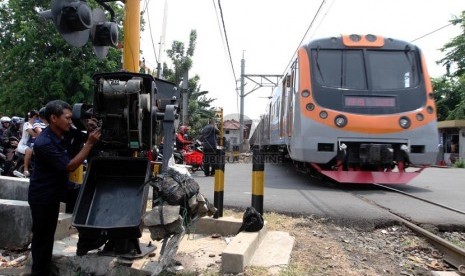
(460, 163)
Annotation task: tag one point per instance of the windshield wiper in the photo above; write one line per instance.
(318, 64)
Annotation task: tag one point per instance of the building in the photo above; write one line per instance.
(231, 130)
(452, 138)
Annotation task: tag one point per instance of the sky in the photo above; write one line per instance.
(266, 33)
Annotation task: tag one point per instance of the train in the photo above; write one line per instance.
(354, 108)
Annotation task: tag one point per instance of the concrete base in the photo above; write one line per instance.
(14, 188)
(16, 224)
(240, 251)
(64, 226)
(226, 226)
(263, 248)
(274, 250)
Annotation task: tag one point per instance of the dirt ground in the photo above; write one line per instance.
(321, 248)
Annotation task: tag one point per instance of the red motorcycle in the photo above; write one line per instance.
(193, 155)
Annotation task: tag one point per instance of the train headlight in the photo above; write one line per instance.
(370, 37)
(340, 121)
(420, 117)
(355, 37)
(310, 107)
(323, 114)
(430, 110)
(305, 93)
(404, 122)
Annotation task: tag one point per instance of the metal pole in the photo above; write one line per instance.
(241, 114)
(162, 41)
(131, 36)
(185, 102)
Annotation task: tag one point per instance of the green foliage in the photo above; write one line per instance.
(450, 89)
(460, 163)
(450, 98)
(37, 65)
(199, 105)
(455, 50)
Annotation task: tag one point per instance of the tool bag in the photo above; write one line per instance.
(252, 221)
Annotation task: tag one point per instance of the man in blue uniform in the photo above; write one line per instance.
(49, 179)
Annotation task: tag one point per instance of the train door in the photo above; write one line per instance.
(266, 125)
(281, 113)
(290, 105)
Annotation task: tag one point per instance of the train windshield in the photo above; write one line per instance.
(366, 69)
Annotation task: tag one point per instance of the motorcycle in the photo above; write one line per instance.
(193, 156)
(9, 159)
(18, 165)
(2, 161)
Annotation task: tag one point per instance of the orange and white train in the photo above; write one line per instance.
(356, 108)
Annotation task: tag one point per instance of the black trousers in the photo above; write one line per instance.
(44, 223)
(209, 161)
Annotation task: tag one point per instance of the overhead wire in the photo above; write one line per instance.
(150, 29)
(432, 32)
(305, 35)
(324, 16)
(219, 25)
(224, 40)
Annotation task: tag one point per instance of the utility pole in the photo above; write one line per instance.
(185, 100)
(241, 113)
(162, 41)
(264, 81)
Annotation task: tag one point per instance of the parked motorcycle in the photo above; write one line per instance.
(2, 161)
(191, 155)
(18, 165)
(8, 157)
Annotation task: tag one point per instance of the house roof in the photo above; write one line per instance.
(232, 124)
(451, 124)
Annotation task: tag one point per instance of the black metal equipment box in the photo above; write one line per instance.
(113, 198)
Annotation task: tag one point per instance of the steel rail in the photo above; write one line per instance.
(452, 254)
(419, 198)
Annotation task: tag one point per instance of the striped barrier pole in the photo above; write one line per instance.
(219, 183)
(258, 187)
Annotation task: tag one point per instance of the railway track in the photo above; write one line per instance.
(452, 254)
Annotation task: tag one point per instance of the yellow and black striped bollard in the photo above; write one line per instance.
(219, 183)
(258, 179)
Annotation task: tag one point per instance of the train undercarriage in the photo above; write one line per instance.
(365, 163)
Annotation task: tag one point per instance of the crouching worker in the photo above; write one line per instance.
(49, 179)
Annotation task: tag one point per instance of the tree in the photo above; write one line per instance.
(37, 65)
(449, 97)
(455, 51)
(199, 106)
(450, 89)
